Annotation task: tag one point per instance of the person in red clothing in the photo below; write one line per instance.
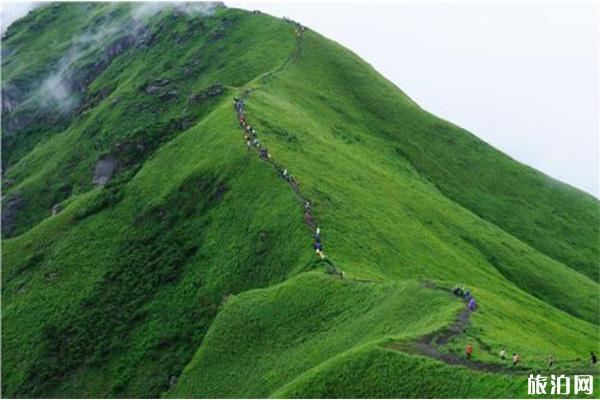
(469, 350)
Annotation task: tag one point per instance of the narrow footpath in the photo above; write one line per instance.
(252, 142)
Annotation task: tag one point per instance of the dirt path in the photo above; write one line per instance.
(427, 346)
(253, 144)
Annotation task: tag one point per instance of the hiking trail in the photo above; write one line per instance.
(252, 142)
(427, 345)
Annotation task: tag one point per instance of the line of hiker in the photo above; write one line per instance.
(465, 293)
(516, 358)
(252, 141)
(299, 27)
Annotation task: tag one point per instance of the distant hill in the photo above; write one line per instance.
(148, 251)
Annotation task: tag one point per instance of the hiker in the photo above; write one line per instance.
(255, 142)
(319, 250)
(503, 353)
(594, 357)
(551, 360)
(458, 292)
(307, 208)
(515, 359)
(264, 153)
(285, 174)
(318, 235)
(295, 185)
(469, 350)
(248, 129)
(467, 294)
(472, 304)
(318, 246)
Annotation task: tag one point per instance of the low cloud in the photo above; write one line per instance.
(58, 89)
(144, 10)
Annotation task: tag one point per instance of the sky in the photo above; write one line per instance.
(523, 76)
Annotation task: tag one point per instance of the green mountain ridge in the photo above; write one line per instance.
(191, 272)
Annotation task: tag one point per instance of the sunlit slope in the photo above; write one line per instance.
(374, 372)
(266, 338)
(384, 218)
(552, 217)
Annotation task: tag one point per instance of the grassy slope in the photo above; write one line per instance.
(389, 374)
(112, 296)
(350, 167)
(266, 338)
(422, 233)
(35, 46)
(129, 118)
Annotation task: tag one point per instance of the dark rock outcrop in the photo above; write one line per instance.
(211, 92)
(56, 209)
(14, 203)
(104, 169)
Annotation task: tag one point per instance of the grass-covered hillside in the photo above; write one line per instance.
(148, 252)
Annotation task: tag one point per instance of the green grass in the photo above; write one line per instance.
(263, 339)
(191, 262)
(390, 374)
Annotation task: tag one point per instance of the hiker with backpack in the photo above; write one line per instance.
(307, 208)
(319, 250)
(593, 358)
(472, 304)
(469, 350)
(467, 294)
(503, 353)
(515, 359)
